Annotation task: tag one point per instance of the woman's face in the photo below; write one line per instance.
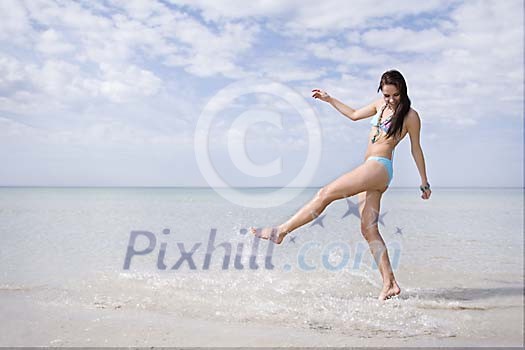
(391, 95)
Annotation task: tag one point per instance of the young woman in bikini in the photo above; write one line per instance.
(392, 119)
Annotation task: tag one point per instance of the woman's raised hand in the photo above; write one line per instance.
(320, 94)
(426, 194)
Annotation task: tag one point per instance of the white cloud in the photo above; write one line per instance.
(103, 133)
(211, 53)
(57, 85)
(467, 68)
(404, 40)
(236, 9)
(123, 31)
(66, 15)
(56, 78)
(345, 53)
(124, 83)
(113, 72)
(180, 40)
(286, 67)
(141, 10)
(14, 22)
(124, 34)
(11, 71)
(336, 15)
(51, 42)
(310, 18)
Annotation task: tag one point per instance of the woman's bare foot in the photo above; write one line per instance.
(389, 290)
(275, 234)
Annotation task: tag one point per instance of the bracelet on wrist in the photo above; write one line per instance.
(425, 188)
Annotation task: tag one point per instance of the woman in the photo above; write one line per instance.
(392, 120)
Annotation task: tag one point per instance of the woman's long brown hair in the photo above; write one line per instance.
(393, 77)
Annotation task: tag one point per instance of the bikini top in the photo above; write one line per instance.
(385, 124)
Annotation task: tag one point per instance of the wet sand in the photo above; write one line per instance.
(26, 322)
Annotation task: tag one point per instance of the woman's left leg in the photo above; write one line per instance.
(370, 230)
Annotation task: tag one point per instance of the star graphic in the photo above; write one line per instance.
(292, 239)
(318, 221)
(352, 209)
(377, 218)
(398, 231)
(380, 218)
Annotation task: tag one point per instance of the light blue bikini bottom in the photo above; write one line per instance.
(387, 163)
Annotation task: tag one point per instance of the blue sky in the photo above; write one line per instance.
(110, 93)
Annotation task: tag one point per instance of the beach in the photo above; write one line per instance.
(191, 278)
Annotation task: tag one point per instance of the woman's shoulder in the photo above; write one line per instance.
(412, 114)
(379, 103)
(412, 120)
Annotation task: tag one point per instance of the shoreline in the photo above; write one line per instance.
(27, 322)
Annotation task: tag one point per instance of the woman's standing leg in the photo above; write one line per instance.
(370, 230)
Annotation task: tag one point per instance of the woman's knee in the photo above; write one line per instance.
(325, 196)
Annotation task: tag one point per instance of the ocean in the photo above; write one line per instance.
(79, 265)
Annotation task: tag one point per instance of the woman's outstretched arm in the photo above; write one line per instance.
(413, 123)
(353, 114)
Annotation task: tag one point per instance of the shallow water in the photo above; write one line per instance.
(458, 259)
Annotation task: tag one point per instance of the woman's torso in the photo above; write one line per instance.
(383, 146)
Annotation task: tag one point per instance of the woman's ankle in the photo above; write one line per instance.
(283, 229)
(389, 281)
